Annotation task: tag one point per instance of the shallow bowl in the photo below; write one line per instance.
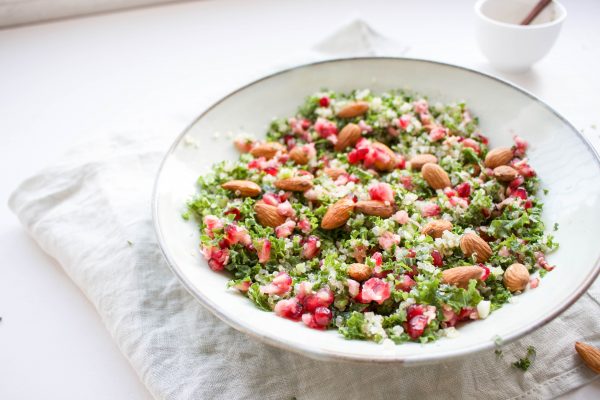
(566, 163)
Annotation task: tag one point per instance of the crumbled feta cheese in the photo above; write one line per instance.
(483, 308)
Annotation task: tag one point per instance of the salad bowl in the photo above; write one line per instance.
(565, 161)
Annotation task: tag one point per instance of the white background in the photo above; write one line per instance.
(67, 81)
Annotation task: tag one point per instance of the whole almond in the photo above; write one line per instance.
(504, 173)
(498, 156)
(267, 150)
(337, 214)
(359, 272)
(435, 176)
(348, 136)
(353, 109)
(374, 207)
(516, 277)
(334, 173)
(419, 160)
(436, 228)
(384, 164)
(294, 184)
(471, 244)
(267, 215)
(242, 188)
(460, 276)
(590, 355)
(299, 155)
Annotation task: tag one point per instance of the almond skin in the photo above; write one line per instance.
(460, 276)
(436, 228)
(242, 188)
(353, 109)
(334, 173)
(348, 136)
(267, 150)
(337, 214)
(516, 277)
(498, 156)
(267, 215)
(359, 272)
(471, 244)
(590, 355)
(504, 173)
(419, 160)
(374, 207)
(299, 155)
(381, 165)
(294, 184)
(435, 176)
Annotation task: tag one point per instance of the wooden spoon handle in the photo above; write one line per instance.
(535, 11)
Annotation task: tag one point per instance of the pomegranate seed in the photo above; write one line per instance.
(311, 247)
(217, 258)
(407, 182)
(528, 204)
(264, 251)
(376, 290)
(311, 302)
(243, 286)
(520, 146)
(323, 316)
(471, 144)
(235, 212)
(416, 326)
(285, 209)
(377, 258)
(325, 296)
(464, 189)
(413, 310)
(304, 226)
(271, 199)
(400, 162)
(450, 192)
(438, 261)
(212, 224)
(520, 193)
(381, 191)
(515, 183)
(533, 283)
(256, 163)
(325, 128)
(437, 133)
(405, 283)
(388, 239)
(411, 253)
(404, 121)
(309, 320)
(357, 155)
(486, 272)
(271, 171)
(324, 101)
(421, 106)
(401, 217)
(289, 309)
(430, 209)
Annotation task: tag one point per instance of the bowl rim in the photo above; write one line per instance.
(317, 353)
(558, 21)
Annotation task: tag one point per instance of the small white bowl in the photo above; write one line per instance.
(512, 47)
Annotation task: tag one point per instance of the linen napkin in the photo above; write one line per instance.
(92, 214)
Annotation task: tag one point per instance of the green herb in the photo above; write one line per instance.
(129, 242)
(555, 228)
(525, 362)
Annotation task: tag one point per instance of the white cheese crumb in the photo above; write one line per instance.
(483, 308)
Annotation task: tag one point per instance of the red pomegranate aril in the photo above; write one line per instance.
(405, 283)
(271, 171)
(515, 183)
(311, 302)
(323, 316)
(413, 310)
(486, 272)
(324, 101)
(416, 326)
(464, 189)
(235, 212)
(520, 193)
(289, 309)
(438, 260)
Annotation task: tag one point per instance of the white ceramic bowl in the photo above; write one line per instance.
(566, 162)
(512, 47)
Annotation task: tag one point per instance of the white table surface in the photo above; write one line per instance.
(64, 81)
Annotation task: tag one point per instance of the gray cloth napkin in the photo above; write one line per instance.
(92, 214)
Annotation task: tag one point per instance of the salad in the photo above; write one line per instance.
(386, 217)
